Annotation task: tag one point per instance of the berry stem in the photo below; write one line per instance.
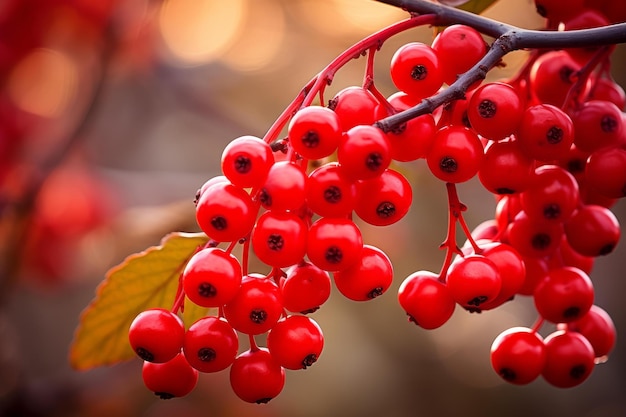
(537, 326)
(573, 95)
(245, 256)
(455, 207)
(322, 79)
(253, 346)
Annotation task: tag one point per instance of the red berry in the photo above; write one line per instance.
(593, 231)
(256, 377)
(305, 288)
(426, 300)
(334, 244)
(605, 172)
(156, 335)
(212, 277)
(225, 212)
(211, 344)
(564, 295)
(495, 110)
(415, 69)
(284, 187)
(552, 195)
(597, 124)
(512, 271)
(296, 342)
(329, 193)
(473, 280)
(174, 378)
(279, 238)
(505, 156)
(569, 359)
(552, 76)
(246, 161)
(518, 355)
(314, 132)
(534, 237)
(355, 106)
(597, 327)
(369, 278)
(364, 153)
(257, 306)
(458, 48)
(383, 200)
(545, 133)
(456, 154)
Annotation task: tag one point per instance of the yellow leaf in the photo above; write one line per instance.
(476, 6)
(145, 280)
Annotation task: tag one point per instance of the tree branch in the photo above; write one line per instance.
(508, 38)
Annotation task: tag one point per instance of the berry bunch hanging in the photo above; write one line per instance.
(548, 143)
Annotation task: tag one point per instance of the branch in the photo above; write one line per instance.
(508, 38)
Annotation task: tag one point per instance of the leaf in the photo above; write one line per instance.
(476, 6)
(144, 280)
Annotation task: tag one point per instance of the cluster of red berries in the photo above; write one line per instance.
(549, 144)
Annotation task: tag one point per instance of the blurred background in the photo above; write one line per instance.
(113, 113)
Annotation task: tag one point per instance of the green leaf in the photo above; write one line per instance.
(145, 280)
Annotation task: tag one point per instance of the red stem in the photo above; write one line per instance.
(455, 207)
(325, 77)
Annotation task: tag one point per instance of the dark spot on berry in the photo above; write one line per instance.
(412, 319)
(578, 371)
(552, 211)
(258, 316)
(219, 223)
(374, 161)
(606, 249)
(164, 395)
(565, 73)
(554, 135)
(476, 301)
(265, 198)
(487, 109)
(541, 241)
(473, 309)
(608, 124)
(571, 312)
(263, 400)
(504, 190)
(385, 210)
(376, 292)
(197, 197)
(275, 242)
(309, 360)
(310, 310)
(419, 72)
(206, 354)
(333, 255)
(243, 164)
(311, 139)
(206, 289)
(507, 374)
(144, 354)
(448, 164)
(332, 194)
